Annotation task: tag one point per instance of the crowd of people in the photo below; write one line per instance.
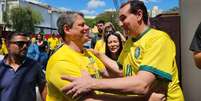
(131, 66)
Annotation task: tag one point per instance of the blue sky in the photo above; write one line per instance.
(94, 7)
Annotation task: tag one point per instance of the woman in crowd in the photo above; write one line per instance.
(100, 44)
(43, 48)
(113, 45)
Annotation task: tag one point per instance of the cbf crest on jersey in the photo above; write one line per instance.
(129, 69)
(137, 52)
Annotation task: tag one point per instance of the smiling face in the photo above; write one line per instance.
(113, 43)
(79, 32)
(129, 21)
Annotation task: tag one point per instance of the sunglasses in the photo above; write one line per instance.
(21, 43)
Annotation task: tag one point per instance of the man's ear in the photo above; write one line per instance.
(66, 29)
(139, 15)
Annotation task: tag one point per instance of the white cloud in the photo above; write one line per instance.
(88, 12)
(155, 11)
(110, 9)
(90, 17)
(93, 4)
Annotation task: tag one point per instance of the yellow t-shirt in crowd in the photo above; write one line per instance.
(100, 46)
(3, 49)
(155, 52)
(53, 42)
(66, 61)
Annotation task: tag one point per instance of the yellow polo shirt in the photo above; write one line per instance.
(53, 42)
(100, 46)
(66, 61)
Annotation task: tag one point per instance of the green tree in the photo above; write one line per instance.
(109, 16)
(23, 19)
(5, 15)
(90, 22)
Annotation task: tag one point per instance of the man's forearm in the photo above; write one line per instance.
(110, 64)
(128, 85)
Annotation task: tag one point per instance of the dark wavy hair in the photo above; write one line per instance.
(107, 51)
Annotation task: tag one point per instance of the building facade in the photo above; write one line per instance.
(49, 14)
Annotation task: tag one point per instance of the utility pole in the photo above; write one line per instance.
(50, 11)
(116, 5)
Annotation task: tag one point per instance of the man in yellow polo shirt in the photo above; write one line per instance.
(148, 61)
(53, 42)
(71, 58)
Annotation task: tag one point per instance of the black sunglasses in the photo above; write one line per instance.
(21, 43)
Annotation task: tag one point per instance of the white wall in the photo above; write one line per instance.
(49, 19)
(43, 12)
(191, 76)
(55, 16)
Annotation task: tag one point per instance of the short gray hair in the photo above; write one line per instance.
(67, 18)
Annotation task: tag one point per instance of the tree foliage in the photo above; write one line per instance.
(90, 22)
(23, 19)
(109, 16)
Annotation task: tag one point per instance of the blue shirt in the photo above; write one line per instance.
(20, 85)
(33, 51)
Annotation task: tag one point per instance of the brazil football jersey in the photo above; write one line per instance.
(66, 61)
(153, 51)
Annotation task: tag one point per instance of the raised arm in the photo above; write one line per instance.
(109, 63)
(140, 84)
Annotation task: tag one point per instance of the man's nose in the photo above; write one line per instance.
(86, 28)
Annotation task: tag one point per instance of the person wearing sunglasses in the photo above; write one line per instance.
(19, 75)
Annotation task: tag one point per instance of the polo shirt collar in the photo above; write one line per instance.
(6, 65)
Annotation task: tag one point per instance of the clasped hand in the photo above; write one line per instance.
(78, 85)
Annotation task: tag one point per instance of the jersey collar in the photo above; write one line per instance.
(134, 39)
